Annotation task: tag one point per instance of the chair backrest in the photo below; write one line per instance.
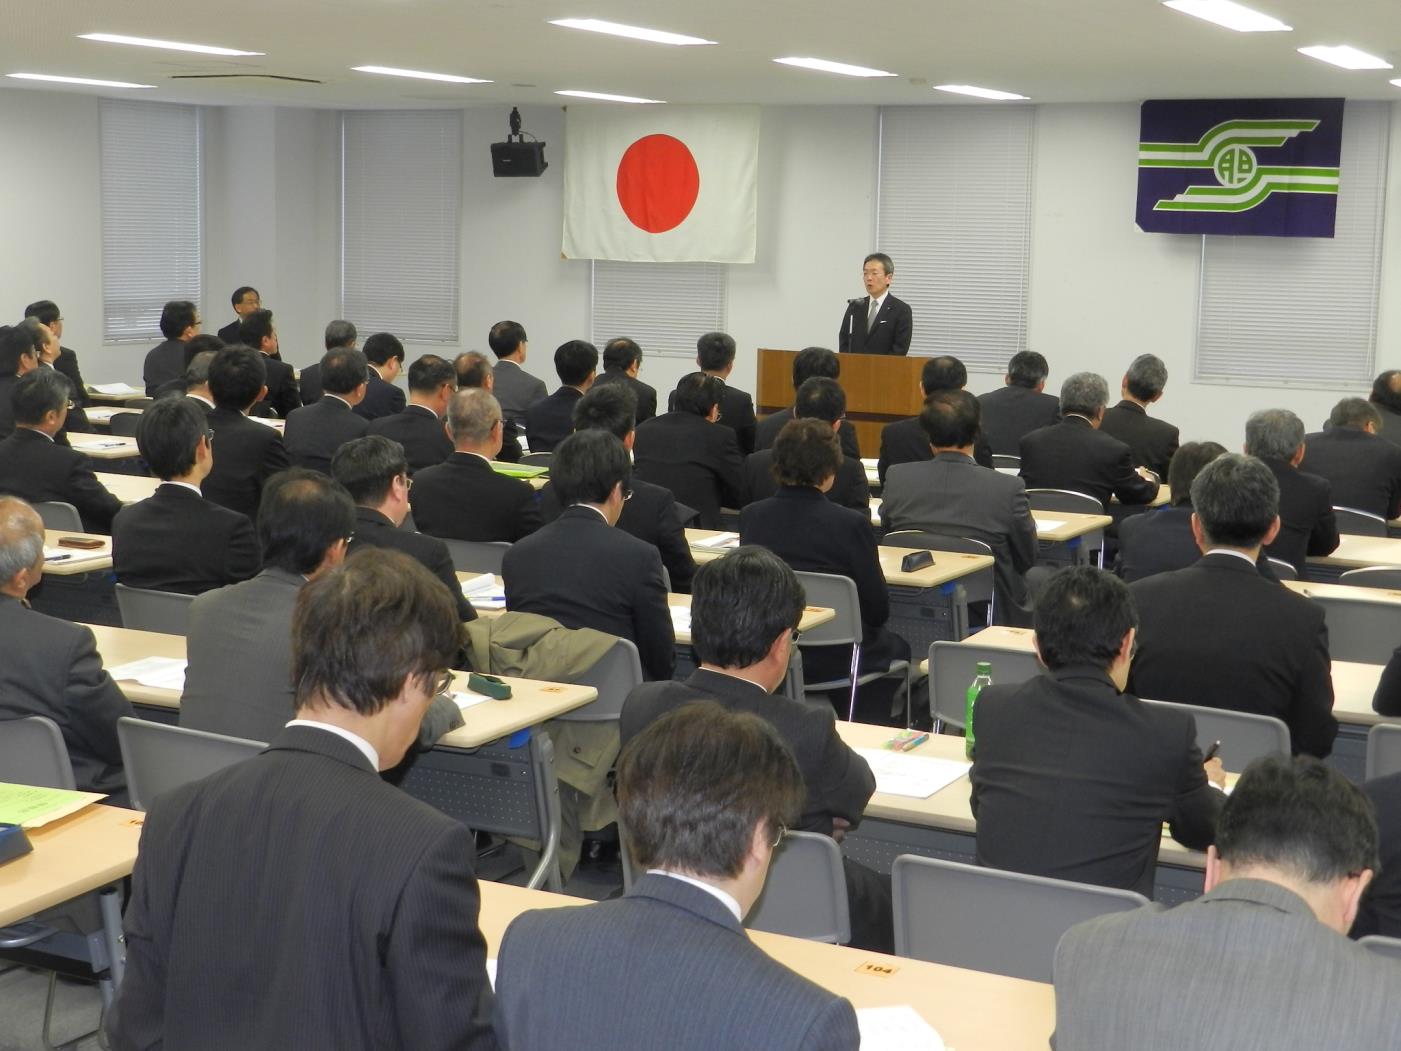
(147, 610)
(1358, 630)
(1006, 460)
(805, 892)
(158, 757)
(1283, 570)
(1063, 500)
(689, 515)
(540, 459)
(1383, 750)
(954, 665)
(1244, 736)
(989, 920)
(32, 752)
(477, 556)
(1388, 947)
(835, 593)
(978, 586)
(59, 515)
(1360, 523)
(1373, 577)
(615, 675)
(123, 424)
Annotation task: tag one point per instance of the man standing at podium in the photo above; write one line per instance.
(878, 323)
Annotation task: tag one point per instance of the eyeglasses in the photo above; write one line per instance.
(442, 681)
(209, 437)
(778, 836)
(794, 636)
(408, 482)
(627, 495)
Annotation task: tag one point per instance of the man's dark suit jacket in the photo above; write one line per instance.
(229, 333)
(515, 389)
(1387, 699)
(52, 668)
(382, 398)
(1364, 470)
(373, 529)
(584, 573)
(246, 455)
(1381, 907)
(1160, 540)
(695, 981)
(67, 364)
(1073, 780)
(462, 498)
(551, 420)
(889, 333)
(1011, 412)
(164, 362)
(904, 441)
(1307, 525)
(1391, 423)
(364, 933)
(314, 432)
(310, 382)
(649, 515)
(645, 393)
(849, 489)
(177, 540)
(1073, 455)
(1219, 635)
(38, 469)
(511, 451)
(419, 430)
(283, 396)
(1151, 441)
(699, 462)
(736, 413)
(766, 433)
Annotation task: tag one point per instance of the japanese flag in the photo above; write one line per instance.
(661, 183)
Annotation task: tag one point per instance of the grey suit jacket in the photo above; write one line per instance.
(674, 970)
(516, 389)
(1246, 967)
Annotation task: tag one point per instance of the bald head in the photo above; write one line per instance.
(21, 547)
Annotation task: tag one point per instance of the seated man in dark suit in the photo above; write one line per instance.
(743, 659)
(47, 313)
(419, 428)
(165, 362)
(1218, 634)
(51, 666)
(283, 397)
(1021, 405)
(684, 451)
(194, 382)
(474, 371)
(462, 498)
(308, 837)
(550, 420)
(35, 467)
(1380, 912)
(516, 389)
(376, 475)
(715, 356)
(1074, 454)
(175, 539)
(905, 441)
(338, 334)
(48, 350)
(1151, 441)
(1362, 467)
(17, 357)
(1307, 523)
(807, 363)
(249, 453)
(1072, 776)
(650, 513)
(729, 782)
(1259, 960)
(1386, 398)
(581, 571)
(385, 356)
(245, 300)
(953, 496)
(622, 360)
(314, 432)
(818, 399)
(1161, 540)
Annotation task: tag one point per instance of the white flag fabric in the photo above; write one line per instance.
(661, 184)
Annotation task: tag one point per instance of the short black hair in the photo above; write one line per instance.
(619, 354)
(1355, 414)
(44, 310)
(740, 603)
(197, 371)
(575, 362)
(610, 407)
(1236, 497)
(1082, 616)
(1299, 815)
(587, 465)
(176, 316)
(202, 344)
(254, 328)
(715, 351)
(429, 372)
(806, 452)
(943, 373)
(342, 370)
(240, 292)
(1386, 390)
(380, 594)
(339, 334)
(820, 398)
(367, 467)
(694, 785)
(168, 435)
(887, 264)
(697, 393)
(472, 369)
(236, 375)
(1185, 465)
(38, 393)
(1027, 369)
(950, 419)
(302, 515)
(382, 346)
(815, 361)
(505, 337)
(34, 329)
(15, 343)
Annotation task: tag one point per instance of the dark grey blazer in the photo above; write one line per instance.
(314, 432)
(516, 389)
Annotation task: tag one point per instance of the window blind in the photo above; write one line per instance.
(664, 307)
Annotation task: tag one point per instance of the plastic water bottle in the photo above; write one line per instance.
(983, 678)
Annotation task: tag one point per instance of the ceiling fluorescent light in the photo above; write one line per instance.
(655, 36)
(1396, 82)
(824, 66)
(446, 78)
(602, 97)
(981, 93)
(77, 80)
(168, 45)
(1345, 56)
(1232, 16)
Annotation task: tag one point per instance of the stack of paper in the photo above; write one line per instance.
(901, 774)
(680, 619)
(465, 699)
(114, 389)
(159, 673)
(483, 592)
(718, 542)
(1048, 525)
(35, 807)
(72, 554)
(896, 1029)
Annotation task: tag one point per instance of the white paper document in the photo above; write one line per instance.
(465, 699)
(718, 542)
(114, 388)
(896, 1029)
(680, 618)
(159, 673)
(900, 774)
(484, 592)
(1048, 525)
(72, 554)
(88, 442)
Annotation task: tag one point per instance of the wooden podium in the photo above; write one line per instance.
(880, 389)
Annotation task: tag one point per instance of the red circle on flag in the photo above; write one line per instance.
(658, 183)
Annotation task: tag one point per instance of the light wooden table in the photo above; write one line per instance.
(101, 415)
(1322, 589)
(1354, 552)
(1065, 524)
(96, 396)
(971, 1010)
(128, 488)
(104, 446)
(94, 560)
(1164, 497)
(72, 856)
